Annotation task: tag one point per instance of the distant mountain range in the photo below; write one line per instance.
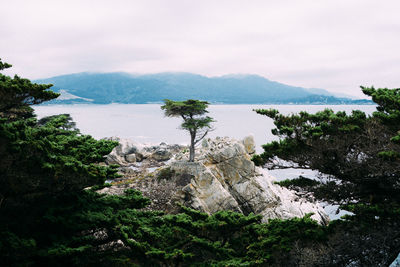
(119, 87)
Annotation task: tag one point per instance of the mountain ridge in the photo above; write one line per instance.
(126, 88)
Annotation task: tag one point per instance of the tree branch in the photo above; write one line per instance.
(198, 140)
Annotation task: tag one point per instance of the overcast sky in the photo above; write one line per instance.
(336, 45)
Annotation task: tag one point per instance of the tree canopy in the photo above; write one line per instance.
(17, 94)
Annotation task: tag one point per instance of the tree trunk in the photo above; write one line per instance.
(191, 149)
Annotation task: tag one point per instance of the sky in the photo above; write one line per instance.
(336, 45)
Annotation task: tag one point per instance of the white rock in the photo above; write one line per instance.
(249, 144)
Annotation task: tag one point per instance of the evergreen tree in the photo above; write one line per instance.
(191, 111)
(360, 151)
(43, 166)
(361, 156)
(17, 94)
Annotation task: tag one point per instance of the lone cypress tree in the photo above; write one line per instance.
(192, 112)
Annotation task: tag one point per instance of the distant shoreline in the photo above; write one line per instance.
(214, 104)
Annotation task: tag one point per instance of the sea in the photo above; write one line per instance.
(146, 123)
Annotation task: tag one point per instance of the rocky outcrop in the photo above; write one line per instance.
(223, 177)
(129, 152)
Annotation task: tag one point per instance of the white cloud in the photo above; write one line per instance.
(333, 44)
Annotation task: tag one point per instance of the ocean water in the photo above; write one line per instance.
(146, 123)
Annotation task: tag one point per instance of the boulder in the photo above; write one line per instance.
(113, 158)
(126, 146)
(161, 154)
(118, 154)
(131, 158)
(249, 144)
(139, 156)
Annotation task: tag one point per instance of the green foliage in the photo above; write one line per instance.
(197, 124)
(73, 228)
(258, 160)
(226, 238)
(298, 182)
(4, 65)
(16, 94)
(63, 121)
(190, 111)
(67, 229)
(188, 108)
(388, 109)
(389, 155)
(280, 235)
(40, 163)
(49, 158)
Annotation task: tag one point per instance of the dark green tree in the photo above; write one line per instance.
(192, 112)
(17, 94)
(42, 164)
(361, 156)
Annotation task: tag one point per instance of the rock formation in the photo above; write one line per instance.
(223, 177)
(135, 159)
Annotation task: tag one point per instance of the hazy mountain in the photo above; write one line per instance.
(104, 88)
